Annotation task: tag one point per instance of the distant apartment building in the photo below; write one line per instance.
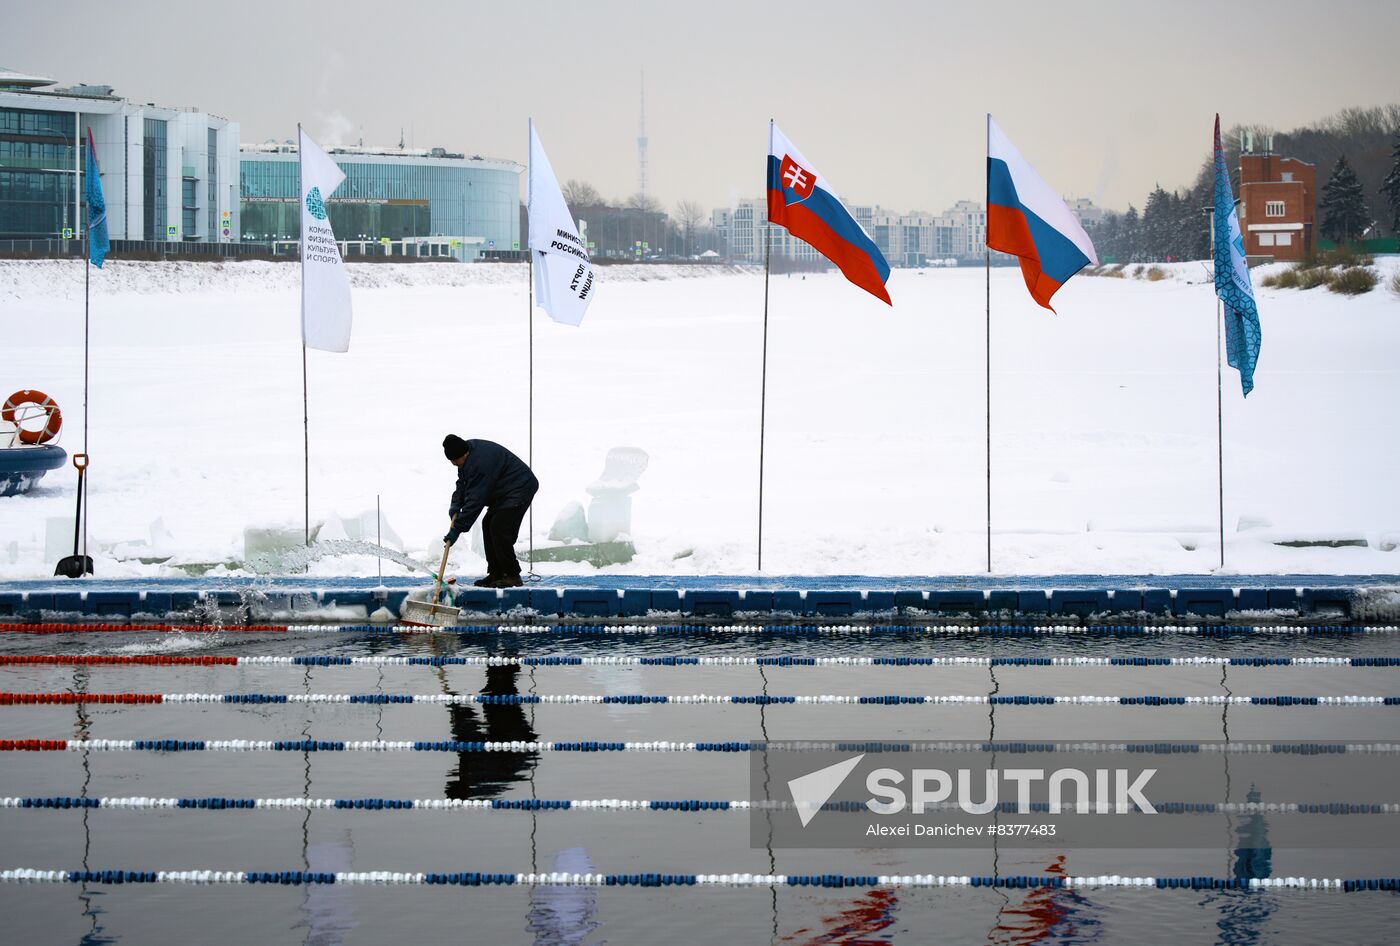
(905, 239)
(741, 232)
(971, 217)
(1083, 208)
(1278, 204)
(168, 174)
(721, 219)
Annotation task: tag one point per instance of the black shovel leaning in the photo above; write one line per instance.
(75, 565)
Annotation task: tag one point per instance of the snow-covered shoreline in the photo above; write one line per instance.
(62, 279)
(1103, 416)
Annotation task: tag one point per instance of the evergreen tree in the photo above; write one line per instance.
(1189, 237)
(1157, 224)
(1131, 236)
(1199, 199)
(1106, 237)
(1344, 213)
(1390, 189)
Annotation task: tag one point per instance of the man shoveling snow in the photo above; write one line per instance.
(490, 476)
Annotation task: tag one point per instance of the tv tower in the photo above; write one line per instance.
(642, 145)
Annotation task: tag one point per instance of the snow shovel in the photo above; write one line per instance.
(75, 565)
(430, 613)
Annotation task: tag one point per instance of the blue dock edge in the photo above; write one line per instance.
(1058, 598)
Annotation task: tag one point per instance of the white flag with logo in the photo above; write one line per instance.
(325, 285)
(564, 283)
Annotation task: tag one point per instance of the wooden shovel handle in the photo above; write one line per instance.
(437, 588)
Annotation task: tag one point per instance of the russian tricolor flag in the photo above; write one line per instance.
(801, 201)
(1026, 218)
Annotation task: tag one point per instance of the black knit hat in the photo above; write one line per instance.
(455, 447)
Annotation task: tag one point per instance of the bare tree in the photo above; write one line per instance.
(644, 202)
(689, 215)
(582, 194)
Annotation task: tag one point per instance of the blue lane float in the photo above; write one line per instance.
(678, 662)
(564, 660)
(634, 806)
(1356, 700)
(669, 746)
(1077, 597)
(701, 631)
(298, 878)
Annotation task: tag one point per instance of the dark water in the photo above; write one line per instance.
(612, 842)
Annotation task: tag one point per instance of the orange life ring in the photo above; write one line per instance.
(50, 429)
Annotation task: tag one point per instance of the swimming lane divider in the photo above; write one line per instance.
(738, 880)
(678, 661)
(666, 746)
(628, 805)
(1007, 630)
(697, 699)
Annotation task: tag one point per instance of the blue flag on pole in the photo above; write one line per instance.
(98, 243)
(1232, 285)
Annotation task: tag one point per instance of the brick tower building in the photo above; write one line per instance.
(1278, 206)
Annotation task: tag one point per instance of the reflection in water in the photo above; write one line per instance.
(854, 926)
(564, 916)
(768, 815)
(484, 774)
(328, 908)
(1048, 914)
(96, 934)
(1254, 857)
(1244, 915)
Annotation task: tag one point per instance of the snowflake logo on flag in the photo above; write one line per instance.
(796, 178)
(314, 204)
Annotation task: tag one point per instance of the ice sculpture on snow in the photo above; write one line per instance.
(609, 515)
(610, 511)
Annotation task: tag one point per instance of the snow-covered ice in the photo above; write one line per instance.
(1103, 417)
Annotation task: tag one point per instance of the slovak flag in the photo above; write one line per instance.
(1026, 218)
(802, 202)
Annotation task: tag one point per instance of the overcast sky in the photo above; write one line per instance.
(887, 98)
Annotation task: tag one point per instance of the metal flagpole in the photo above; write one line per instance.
(987, 270)
(763, 385)
(530, 321)
(1219, 432)
(305, 445)
(530, 445)
(1219, 407)
(305, 414)
(87, 280)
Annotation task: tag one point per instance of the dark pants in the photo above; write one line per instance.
(500, 527)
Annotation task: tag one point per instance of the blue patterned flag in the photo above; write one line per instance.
(98, 244)
(1232, 277)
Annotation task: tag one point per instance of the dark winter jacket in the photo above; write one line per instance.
(490, 476)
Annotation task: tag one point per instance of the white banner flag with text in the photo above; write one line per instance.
(325, 285)
(564, 281)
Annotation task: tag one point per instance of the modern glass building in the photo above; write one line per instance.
(168, 174)
(37, 172)
(417, 202)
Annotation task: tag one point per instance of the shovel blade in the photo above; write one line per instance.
(74, 566)
(424, 614)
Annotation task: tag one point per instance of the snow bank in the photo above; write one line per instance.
(63, 279)
(1103, 417)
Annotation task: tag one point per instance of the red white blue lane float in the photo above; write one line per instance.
(27, 450)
